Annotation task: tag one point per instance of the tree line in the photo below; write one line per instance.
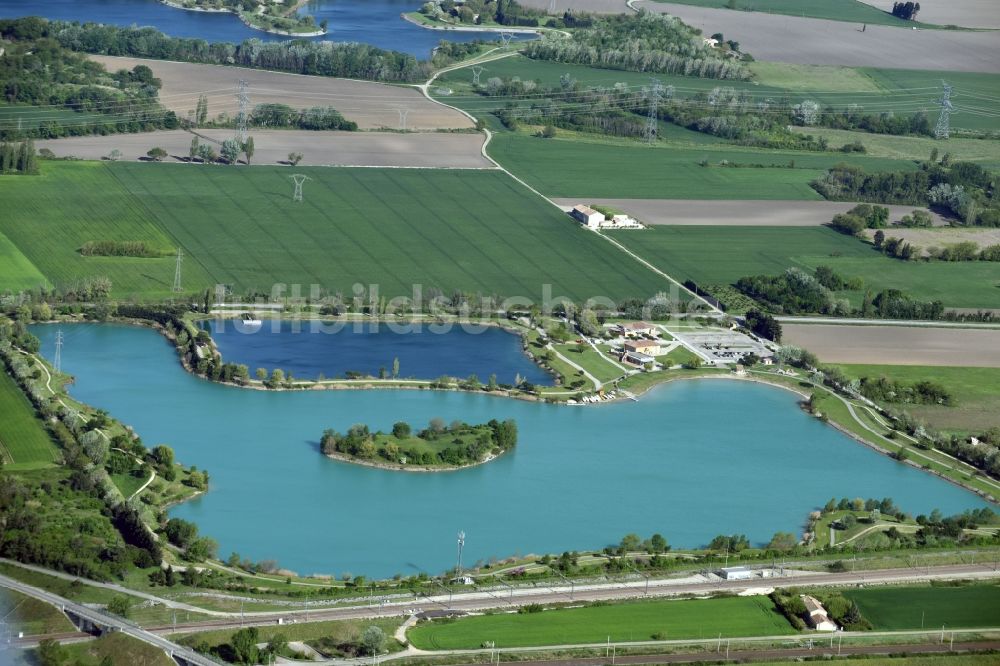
(964, 190)
(321, 58)
(18, 158)
(639, 42)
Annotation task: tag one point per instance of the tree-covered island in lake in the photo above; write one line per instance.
(439, 446)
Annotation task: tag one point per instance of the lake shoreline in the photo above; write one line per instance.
(244, 19)
(416, 469)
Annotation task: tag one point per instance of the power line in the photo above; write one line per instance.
(244, 111)
(298, 178)
(177, 271)
(59, 345)
(943, 127)
(653, 120)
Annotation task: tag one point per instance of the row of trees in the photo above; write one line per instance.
(18, 158)
(321, 58)
(966, 190)
(642, 42)
(38, 71)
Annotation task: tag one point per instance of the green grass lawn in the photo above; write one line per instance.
(901, 608)
(837, 10)
(722, 255)
(24, 444)
(17, 273)
(976, 392)
(129, 483)
(31, 616)
(51, 215)
(594, 362)
(442, 229)
(671, 619)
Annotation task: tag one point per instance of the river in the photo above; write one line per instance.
(691, 460)
(375, 22)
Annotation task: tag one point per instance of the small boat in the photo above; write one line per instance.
(248, 322)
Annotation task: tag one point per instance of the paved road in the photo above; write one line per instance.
(108, 621)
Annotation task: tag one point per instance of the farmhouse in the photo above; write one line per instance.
(709, 42)
(648, 347)
(587, 216)
(594, 219)
(636, 328)
(817, 616)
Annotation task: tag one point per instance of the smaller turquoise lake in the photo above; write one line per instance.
(691, 460)
(425, 351)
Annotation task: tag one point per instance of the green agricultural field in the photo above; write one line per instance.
(974, 93)
(902, 608)
(24, 444)
(13, 117)
(723, 254)
(984, 151)
(117, 648)
(837, 10)
(976, 392)
(17, 273)
(50, 216)
(443, 229)
(637, 621)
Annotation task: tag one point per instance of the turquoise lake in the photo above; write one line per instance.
(424, 350)
(690, 460)
(375, 22)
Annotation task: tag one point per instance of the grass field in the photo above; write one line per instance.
(976, 392)
(837, 10)
(984, 151)
(33, 617)
(672, 619)
(594, 362)
(120, 649)
(577, 167)
(467, 230)
(29, 117)
(722, 255)
(24, 444)
(51, 215)
(897, 609)
(17, 273)
(874, 90)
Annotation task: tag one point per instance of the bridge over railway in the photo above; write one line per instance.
(97, 622)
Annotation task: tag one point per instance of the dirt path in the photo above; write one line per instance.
(371, 105)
